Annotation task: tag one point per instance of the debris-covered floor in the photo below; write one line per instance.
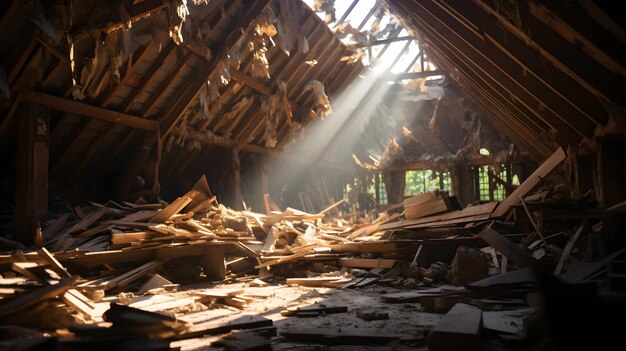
(194, 274)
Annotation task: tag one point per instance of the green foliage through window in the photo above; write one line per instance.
(422, 181)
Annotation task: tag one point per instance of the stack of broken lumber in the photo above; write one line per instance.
(46, 296)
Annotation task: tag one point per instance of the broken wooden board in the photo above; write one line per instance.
(521, 277)
(223, 325)
(172, 209)
(468, 214)
(420, 198)
(458, 329)
(341, 336)
(579, 272)
(313, 309)
(511, 322)
(427, 208)
(326, 282)
(514, 252)
(29, 298)
(549, 165)
(243, 340)
(155, 282)
(367, 262)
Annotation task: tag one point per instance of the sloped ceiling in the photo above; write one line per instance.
(546, 76)
(167, 83)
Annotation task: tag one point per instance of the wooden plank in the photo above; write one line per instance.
(213, 263)
(419, 198)
(31, 188)
(87, 221)
(33, 297)
(511, 250)
(458, 329)
(127, 238)
(568, 248)
(223, 325)
(319, 308)
(344, 336)
(76, 300)
(56, 265)
(172, 209)
(90, 111)
(549, 165)
(426, 208)
(468, 214)
(327, 282)
(129, 276)
(54, 228)
(367, 262)
(582, 271)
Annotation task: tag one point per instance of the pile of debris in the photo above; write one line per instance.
(115, 270)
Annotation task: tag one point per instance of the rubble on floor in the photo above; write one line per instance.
(137, 276)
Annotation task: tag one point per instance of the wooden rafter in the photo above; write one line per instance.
(456, 40)
(96, 112)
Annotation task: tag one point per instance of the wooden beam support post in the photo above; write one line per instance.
(236, 179)
(31, 195)
(610, 170)
(137, 165)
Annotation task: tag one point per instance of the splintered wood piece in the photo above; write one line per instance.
(172, 209)
(33, 297)
(506, 247)
(319, 308)
(568, 248)
(243, 340)
(127, 238)
(213, 263)
(217, 293)
(156, 281)
(223, 325)
(139, 216)
(419, 198)
(80, 303)
(129, 276)
(329, 208)
(367, 262)
(458, 329)
(54, 228)
(328, 282)
(170, 230)
(549, 165)
(344, 336)
(56, 265)
(90, 219)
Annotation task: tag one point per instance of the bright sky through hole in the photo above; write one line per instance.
(356, 17)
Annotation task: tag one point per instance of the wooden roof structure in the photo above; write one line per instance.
(201, 94)
(547, 74)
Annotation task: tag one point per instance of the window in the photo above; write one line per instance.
(492, 187)
(422, 181)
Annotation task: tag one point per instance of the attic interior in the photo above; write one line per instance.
(312, 174)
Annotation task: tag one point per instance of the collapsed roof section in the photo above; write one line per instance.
(547, 74)
(136, 84)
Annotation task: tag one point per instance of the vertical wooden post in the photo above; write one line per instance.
(610, 180)
(213, 263)
(31, 197)
(265, 175)
(138, 161)
(463, 185)
(236, 179)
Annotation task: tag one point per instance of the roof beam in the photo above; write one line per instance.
(476, 55)
(380, 42)
(90, 111)
(174, 114)
(415, 75)
(520, 50)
